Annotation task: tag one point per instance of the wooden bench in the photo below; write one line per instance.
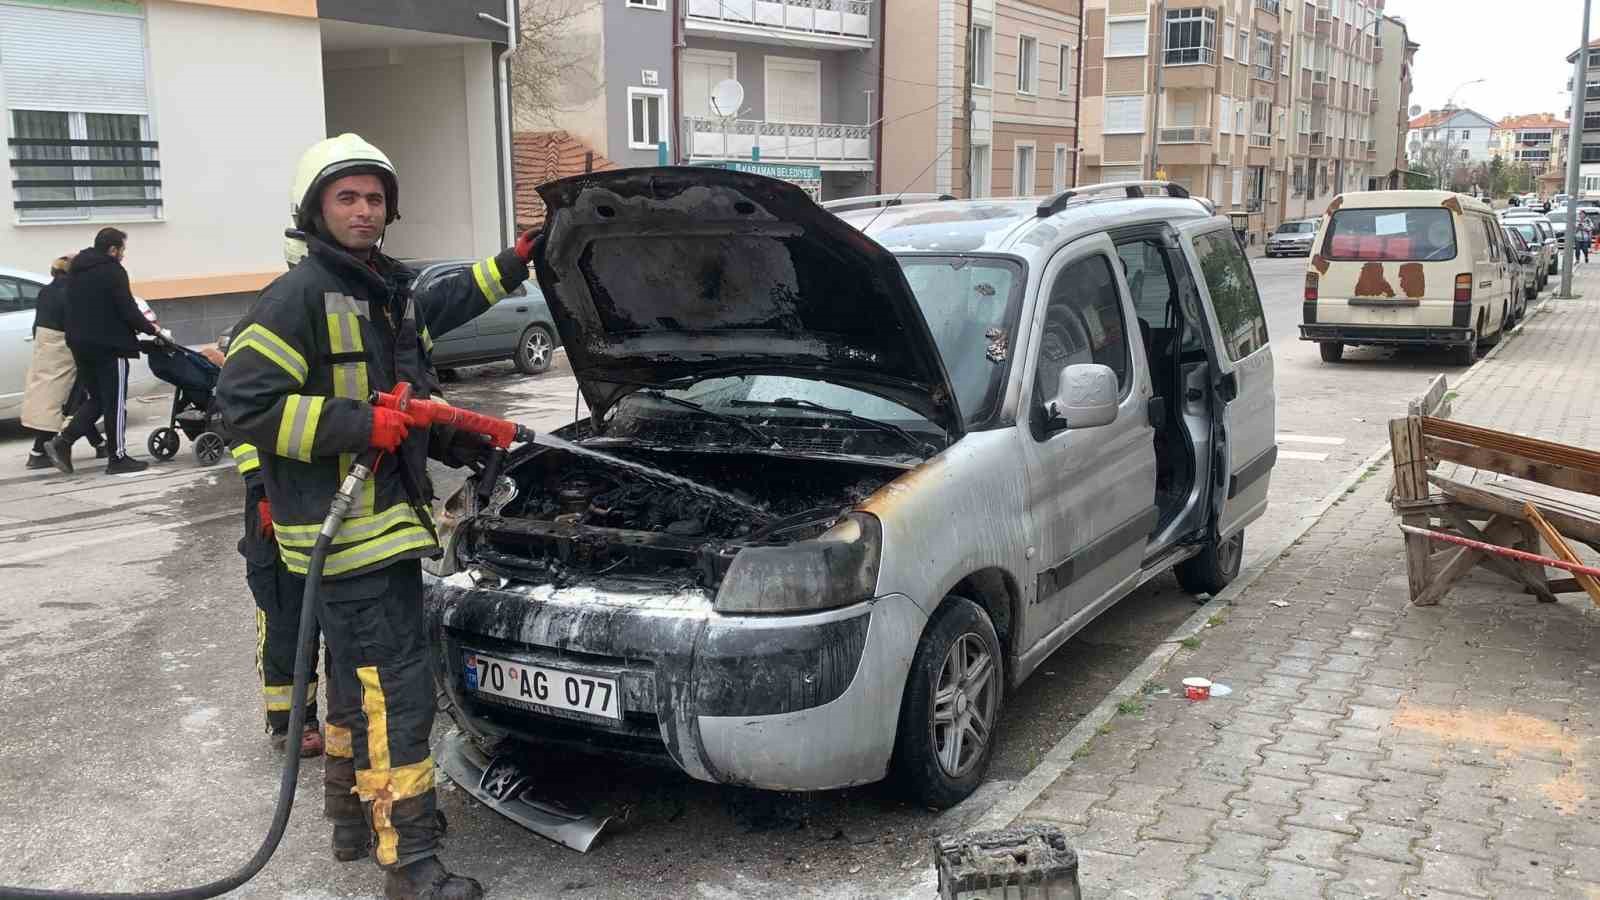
(1504, 490)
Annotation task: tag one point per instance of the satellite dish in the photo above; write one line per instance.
(727, 96)
(1415, 110)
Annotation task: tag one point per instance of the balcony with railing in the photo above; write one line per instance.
(1261, 140)
(1319, 144)
(832, 146)
(1271, 6)
(1187, 134)
(799, 23)
(1372, 150)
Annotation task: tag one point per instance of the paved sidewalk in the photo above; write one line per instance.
(1369, 747)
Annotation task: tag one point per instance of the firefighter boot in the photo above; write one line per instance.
(428, 879)
(351, 842)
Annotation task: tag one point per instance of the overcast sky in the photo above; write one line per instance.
(1519, 47)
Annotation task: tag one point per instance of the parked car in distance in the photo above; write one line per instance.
(1293, 238)
(1543, 252)
(1525, 266)
(1545, 229)
(19, 293)
(948, 461)
(518, 328)
(1420, 268)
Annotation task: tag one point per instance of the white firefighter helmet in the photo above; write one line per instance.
(333, 158)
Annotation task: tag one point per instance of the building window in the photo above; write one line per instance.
(1064, 72)
(793, 90)
(1264, 45)
(1228, 28)
(1224, 115)
(1238, 187)
(980, 170)
(68, 162)
(1027, 64)
(1023, 170)
(1124, 115)
(1244, 46)
(1305, 119)
(1191, 35)
(1058, 169)
(1109, 174)
(1125, 37)
(646, 119)
(647, 4)
(1299, 180)
(1283, 60)
(1591, 120)
(982, 55)
(1239, 107)
(1261, 116)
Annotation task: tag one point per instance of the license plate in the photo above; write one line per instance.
(543, 686)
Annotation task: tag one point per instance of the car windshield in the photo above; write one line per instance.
(971, 304)
(1391, 234)
(1297, 228)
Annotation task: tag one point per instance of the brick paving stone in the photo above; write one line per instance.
(1530, 834)
(1182, 824)
(1113, 832)
(1212, 883)
(1365, 877)
(1301, 743)
(1450, 872)
(1350, 763)
(1373, 717)
(1136, 798)
(1301, 719)
(1460, 838)
(1286, 766)
(1340, 662)
(1256, 723)
(1271, 790)
(1292, 881)
(1264, 820)
(1390, 842)
(1329, 815)
(1238, 851)
(1203, 793)
(1312, 847)
(1061, 805)
(1165, 861)
(1526, 869)
(1363, 739)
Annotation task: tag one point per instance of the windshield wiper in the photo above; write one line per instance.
(921, 446)
(735, 421)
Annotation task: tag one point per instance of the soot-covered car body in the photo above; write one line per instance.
(816, 522)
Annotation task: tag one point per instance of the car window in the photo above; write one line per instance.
(1146, 268)
(1397, 234)
(1490, 239)
(17, 295)
(1528, 232)
(1083, 323)
(969, 304)
(1233, 293)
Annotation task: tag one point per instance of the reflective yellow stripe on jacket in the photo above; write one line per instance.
(354, 529)
(359, 556)
(487, 275)
(297, 429)
(277, 350)
(246, 458)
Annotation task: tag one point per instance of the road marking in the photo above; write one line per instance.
(1301, 454)
(1309, 439)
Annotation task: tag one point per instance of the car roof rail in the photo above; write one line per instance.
(881, 200)
(1112, 190)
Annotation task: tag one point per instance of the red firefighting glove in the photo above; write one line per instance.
(264, 518)
(524, 245)
(389, 428)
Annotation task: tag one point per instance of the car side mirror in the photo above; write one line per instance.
(1086, 397)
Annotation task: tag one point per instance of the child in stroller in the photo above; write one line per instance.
(194, 410)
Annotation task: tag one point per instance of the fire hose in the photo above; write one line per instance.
(501, 433)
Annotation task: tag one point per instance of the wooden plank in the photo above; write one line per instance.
(1559, 546)
(1533, 448)
(1513, 464)
(1505, 501)
(1411, 485)
(1431, 403)
(1565, 586)
(1461, 561)
(1505, 532)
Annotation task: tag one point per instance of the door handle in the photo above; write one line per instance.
(522, 309)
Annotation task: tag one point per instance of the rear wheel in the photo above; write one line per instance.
(1466, 354)
(535, 350)
(163, 443)
(1332, 351)
(1215, 567)
(209, 447)
(951, 706)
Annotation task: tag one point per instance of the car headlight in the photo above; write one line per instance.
(838, 568)
(457, 509)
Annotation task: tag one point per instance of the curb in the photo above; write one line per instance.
(1010, 807)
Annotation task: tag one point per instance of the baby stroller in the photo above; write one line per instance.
(193, 407)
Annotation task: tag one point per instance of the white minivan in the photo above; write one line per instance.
(1421, 268)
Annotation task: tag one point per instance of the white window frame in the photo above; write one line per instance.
(1030, 87)
(1225, 115)
(1241, 122)
(1143, 23)
(983, 66)
(1205, 52)
(1304, 111)
(657, 5)
(663, 111)
(1058, 168)
(982, 178)
(794, 62)
(1024, 179)
(691, 55)
(1123, 101)
(1229, 26)
(1243, 46)
(1064, 73)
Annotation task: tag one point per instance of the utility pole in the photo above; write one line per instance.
(1161, 65)
(1580, 100)
(966, 98)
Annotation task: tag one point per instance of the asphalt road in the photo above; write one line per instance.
(133, 755)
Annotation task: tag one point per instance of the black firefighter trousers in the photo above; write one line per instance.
(279, 594)
(380, 712)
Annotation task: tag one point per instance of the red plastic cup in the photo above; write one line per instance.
(1197, 688)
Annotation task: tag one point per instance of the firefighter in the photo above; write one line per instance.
(277, 593)
(338, 326)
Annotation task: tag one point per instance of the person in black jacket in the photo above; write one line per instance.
(103, 322)
(52, 390)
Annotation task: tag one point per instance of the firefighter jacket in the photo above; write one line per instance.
(296, 384)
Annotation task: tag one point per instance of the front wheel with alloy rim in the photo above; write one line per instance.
(1214, 568)
(534, 350)
(951, 706)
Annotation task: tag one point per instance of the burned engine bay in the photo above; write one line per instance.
(577, 518)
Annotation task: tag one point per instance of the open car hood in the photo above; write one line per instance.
(686, 272)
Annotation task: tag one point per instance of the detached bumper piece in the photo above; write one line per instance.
(1438, 336)
(502, 786)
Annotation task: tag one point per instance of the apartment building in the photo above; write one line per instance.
(982, 110)
(1538, 141)
(1396, 55)
(181, 123)
(1589, 106)
(1336, 53)
(1462, 136)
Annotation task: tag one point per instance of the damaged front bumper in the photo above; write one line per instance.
(782, 702)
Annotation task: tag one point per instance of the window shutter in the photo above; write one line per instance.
(55, 59)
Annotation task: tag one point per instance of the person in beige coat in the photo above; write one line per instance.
(51, 391)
